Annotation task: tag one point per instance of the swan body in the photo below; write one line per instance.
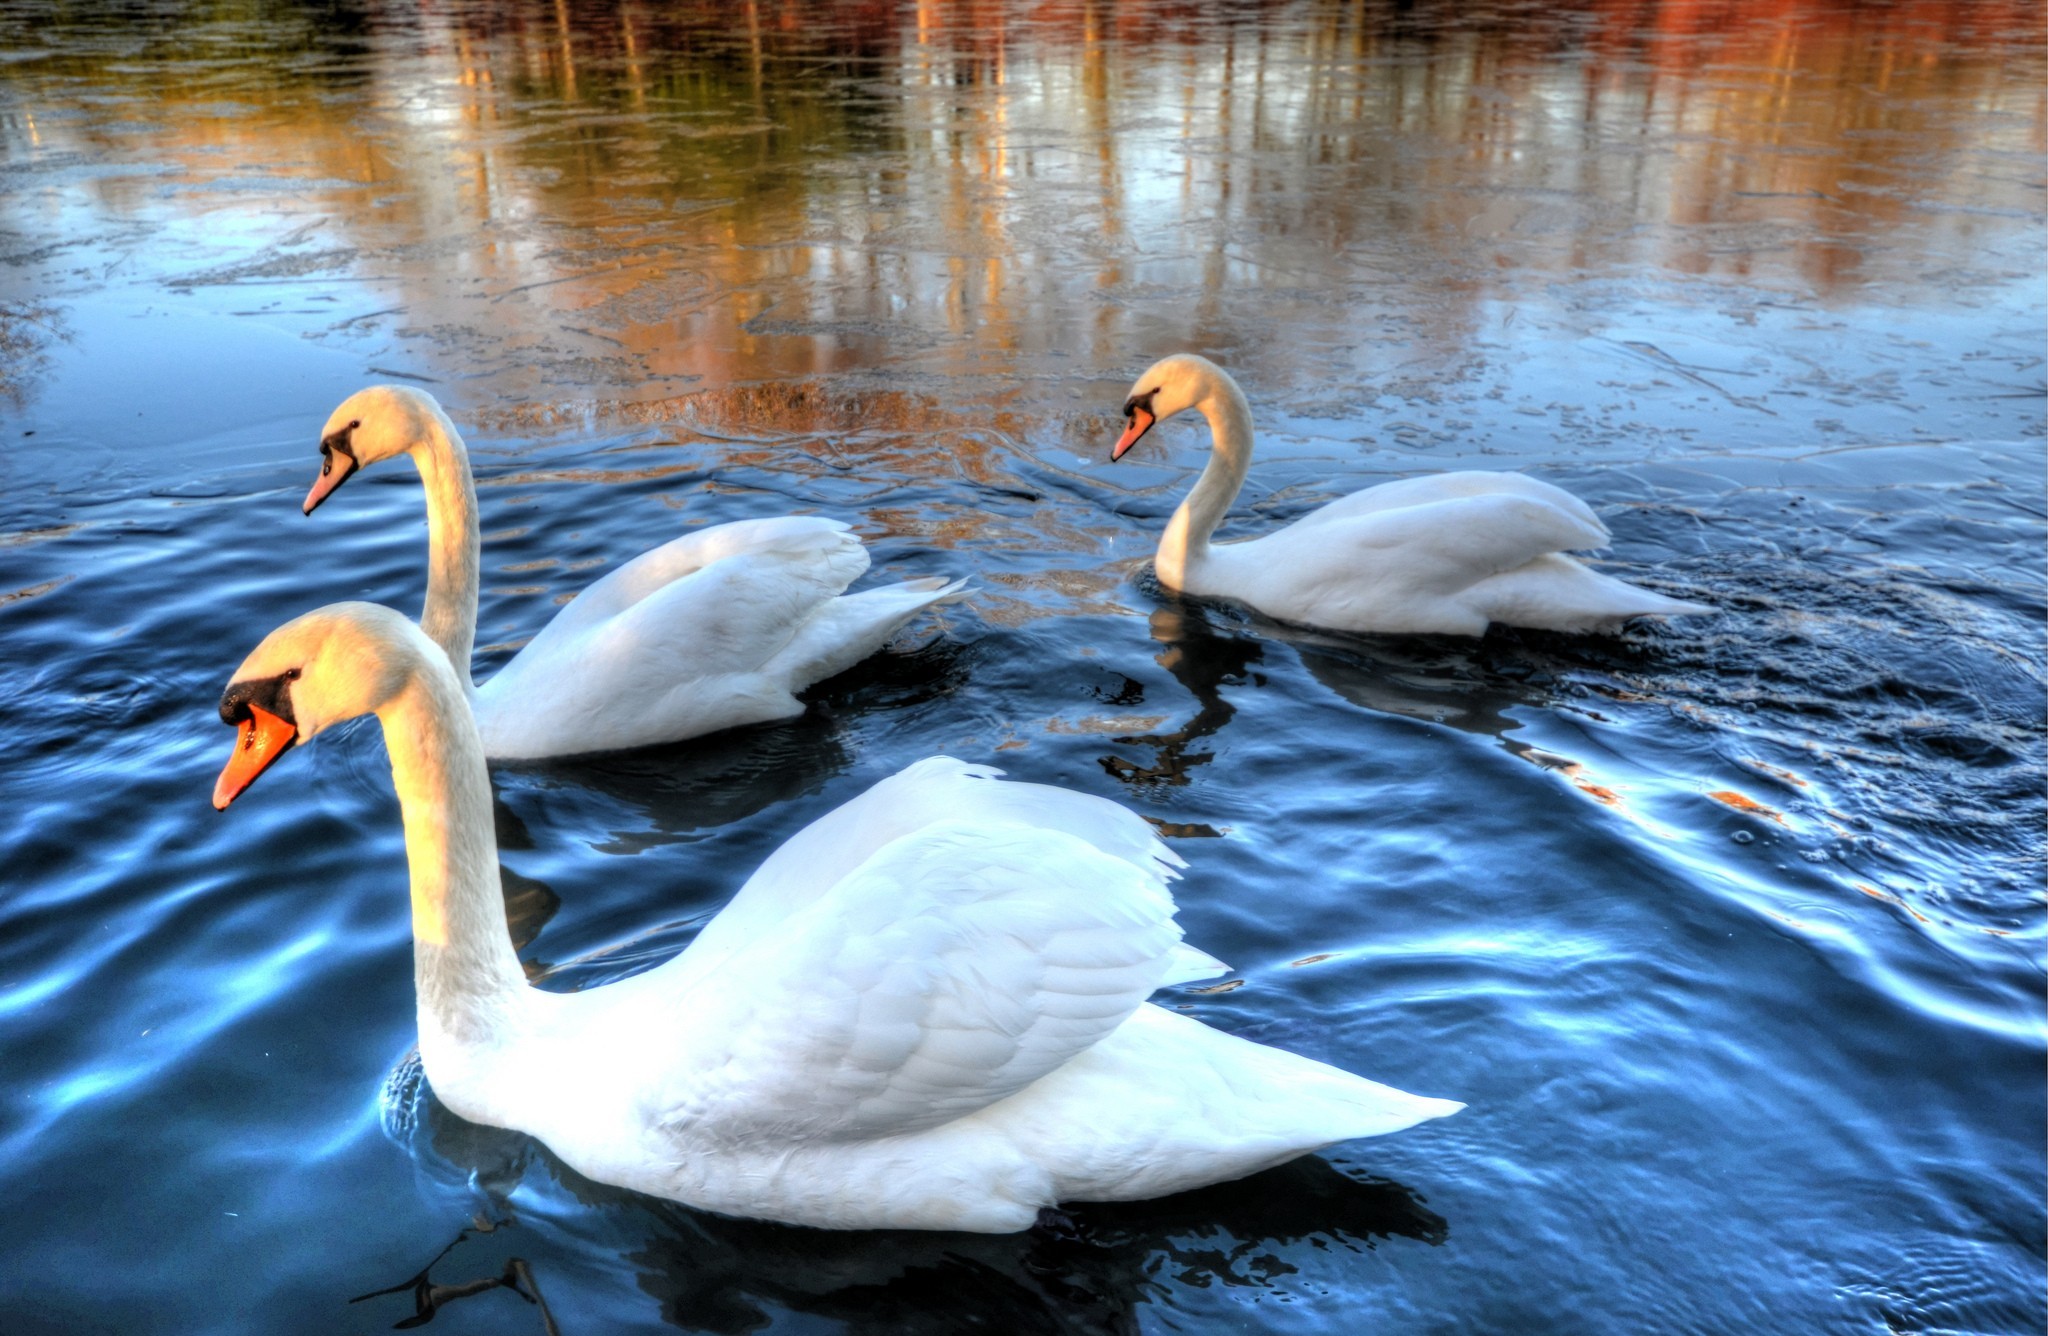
(1445, 554)
(926, 1010)
(718, 628)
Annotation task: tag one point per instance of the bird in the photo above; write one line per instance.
(713, 630)
(925, 1010)
(1443, 554)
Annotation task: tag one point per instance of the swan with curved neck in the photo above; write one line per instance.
(909, 1017)
(1446, 553)
(715, 629)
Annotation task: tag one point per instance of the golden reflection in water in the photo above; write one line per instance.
(555, 198)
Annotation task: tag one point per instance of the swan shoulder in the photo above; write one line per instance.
(826, 545)
(1437, 547)
(936, 789)
(845, 630)
(1427, 488)
(685, 659)
(1399, 570)
(952, 969)
(731, 615)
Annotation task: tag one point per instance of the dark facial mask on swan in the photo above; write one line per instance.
(337, 462)
(261, 712)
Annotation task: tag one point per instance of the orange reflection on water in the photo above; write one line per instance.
(634, 201)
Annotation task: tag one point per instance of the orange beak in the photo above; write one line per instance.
(259, 740)
(1141, 422)
(333, 473)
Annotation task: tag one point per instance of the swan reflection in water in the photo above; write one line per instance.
(1474, 686)
(1209, 646)
(1092, 1271)
(1203, 659)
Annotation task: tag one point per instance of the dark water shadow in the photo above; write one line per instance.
(1468, 685)
(1208, 646)
(1092, 1271)
(676, 791)
(685, 788)
(1471, 684)
(529, 904)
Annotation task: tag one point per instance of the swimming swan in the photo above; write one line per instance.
(926, 1010)
(718, 628)
(1443, 554)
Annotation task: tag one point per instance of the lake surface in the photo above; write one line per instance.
(1729, 931)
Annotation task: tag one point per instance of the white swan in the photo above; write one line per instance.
(1443, 554)
(926, 1010)
(718, 628)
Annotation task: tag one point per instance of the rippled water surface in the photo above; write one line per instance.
(1729, 931)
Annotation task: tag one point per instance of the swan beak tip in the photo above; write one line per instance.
(260, 739)
(1141, 422)
(332, 475)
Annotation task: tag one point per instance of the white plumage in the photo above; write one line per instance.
(925, 1010)
(1446, 553)
(718, 628)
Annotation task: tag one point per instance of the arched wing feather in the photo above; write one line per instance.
(1448, 545)
(956, 966)
(826, 545)
(731, 615)
(1429, 488)
(936, 789)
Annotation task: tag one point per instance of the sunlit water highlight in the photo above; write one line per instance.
(1729, 931)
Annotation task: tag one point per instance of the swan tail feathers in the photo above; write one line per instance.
(941, 589)
(1377, 1110)
(849, 628)
(1653, 604)
(1187, 965)
(932, 785)
(1556, 593)
(1623, 602)
(1307, 1105)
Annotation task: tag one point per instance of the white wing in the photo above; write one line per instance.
(1443, 554)
(1427, 551)
(675, 657)
(937, 789)
(953, 968)
(828, 545)
(1431, 487)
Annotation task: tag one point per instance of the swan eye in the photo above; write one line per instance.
(354, 423)
(291, 674)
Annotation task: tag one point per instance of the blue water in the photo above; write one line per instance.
(1729, 931)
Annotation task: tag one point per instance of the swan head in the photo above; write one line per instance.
(370, 425)
(322, 669)
(1172, 385)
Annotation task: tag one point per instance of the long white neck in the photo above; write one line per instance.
(471, 988)
(1186, 540)
(453, 542)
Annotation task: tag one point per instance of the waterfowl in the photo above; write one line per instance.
(718, 628)
(1446, 553)
(926, 1010)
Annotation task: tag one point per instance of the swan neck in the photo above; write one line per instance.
(453, 542)
(1186, 540)
(470, 985)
